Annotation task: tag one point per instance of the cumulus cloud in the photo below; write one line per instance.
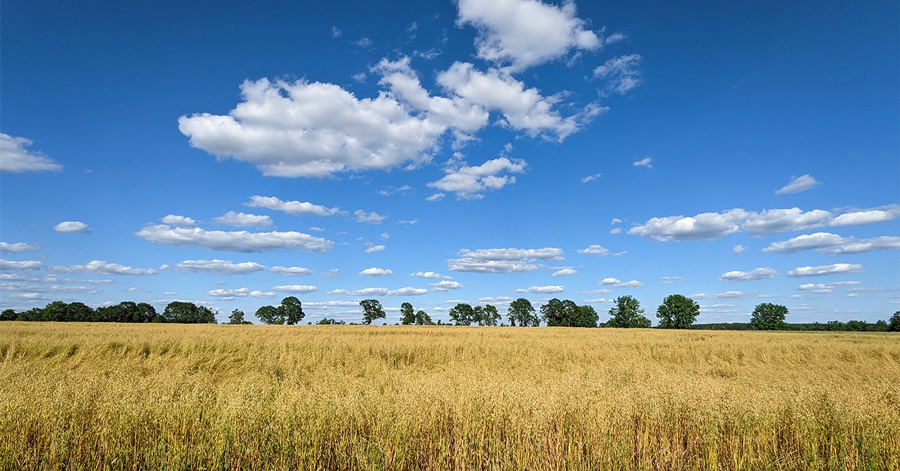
(106, 268)
(591, 178)
(18, 247)
(219, 267)
(798, 184)
(617, 283)
(725, 295)
(331, 273)
(375, 271)
(621, 74)
(299, 289)
(294, 208)
(375, 248)
(371, 218)
(471, 182)
(228, 293)
(703, 226)
(71, 226)
(502, 260)
(645, 162)
(825, 242)
(313, 130)
(179, 221)
(17, 159)
(523, 109)
(594, 250)
(427, 274)
(542, 289)
(565, 272)
(523, 33)
(20, 265)
(867, 216)
(738, 249)
(233, 241)
(232, 218)
(776, 221)
(407, 291)
(291, 271)
(752, 275)
(837, 268)
(445, 285)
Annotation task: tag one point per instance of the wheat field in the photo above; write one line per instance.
(154, 396)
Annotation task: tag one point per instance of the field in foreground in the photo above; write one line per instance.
(106, 396)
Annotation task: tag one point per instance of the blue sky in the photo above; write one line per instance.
(436, 152)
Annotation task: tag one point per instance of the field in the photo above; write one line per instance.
(153, 396)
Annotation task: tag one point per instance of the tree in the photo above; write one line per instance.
(188, 313)
(586, 317)
(268, 315)
(371, 310)
(627, 313)
(8, 315)
(486, 315)
(677, 312)
(522, 312)
(407, 316)
(79, 312)
(327, 321)
(291, 310)
(566, 313)
(422, 318)
(768, 316)
(462, 314)
(894, 323)
(236, 317)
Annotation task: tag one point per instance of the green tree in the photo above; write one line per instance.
(188, 313)
(627, 313)
(422, 318)
(55, 311)
(407, 315)
(327, 321)
(894, 323)
(566, 313)
(8, 315)
(768, 316)
(291, 310)
(462, 314)
(371, 310)
(677, 312)
(79, 312)
(486, 315)
(269, 315)
(236, 317)
(521, 312)
(586, 317)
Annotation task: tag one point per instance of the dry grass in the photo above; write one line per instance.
(101, 396)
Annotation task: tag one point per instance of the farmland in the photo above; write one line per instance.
(155, 396)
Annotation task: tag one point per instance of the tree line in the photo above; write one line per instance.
(675, 312)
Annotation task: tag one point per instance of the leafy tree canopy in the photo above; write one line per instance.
(627, 313)
(371, 310)
(768, 316)
(677, 312)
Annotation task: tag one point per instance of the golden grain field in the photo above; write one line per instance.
(107, 396)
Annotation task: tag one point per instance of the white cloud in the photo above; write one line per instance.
(375, 248)
(407, 291)
(615, 221)
(300, 289)
(591, 178)
(445, 285)
(565, 272)
(375, 271)
(725, 295)
(179, 221)
(703, 226)
(15, 158)
(427, 274)
(502, 260)
(392, 190)
(523, 109)
(18, 247)
(335, 32)
(470, 182)
(826, 288)
(331, 273)
(523, 33)
(776, 221)
(645, 162)
(313, 130)
(867, 216)
(71, 226)
(738, 249)
(798, 184)
(363, 42)
(752, 275)
(837, 268)
(291, 271)
(385, 236)
(410, 222)
(262, 294)
(621, 74)
(228, 293)
(106, 268)
(294, 208)
(436, 197)
(616, 283)
(615, 230)
(20, 265)
(825, 242)
(595, 250)
(666, 280)
(232, 218)
(371, 218)
(542, 289)
(234, 241)
(219, 267)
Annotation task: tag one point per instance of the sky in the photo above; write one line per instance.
(435, 152)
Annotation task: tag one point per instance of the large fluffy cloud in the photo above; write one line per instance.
(471, 182)
(18, 159)
(700, 227)
(752, 275)
(294, 208)
(18, 247)
(502, 260)
(837, 268)
(72, 226)
(106, 268)
(522, 33)
(219, 267)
